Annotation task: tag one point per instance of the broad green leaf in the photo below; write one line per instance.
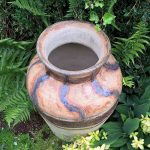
(145, 81)
(141, 109)
(98, 4)
(112, 138)
(123, 117)
(122, 98)
(146, 94)
(133, 100)
(112, 127)
(123, 109)
(108, 18)
(94, 17)
(86, 5)
(97, 27)
(123, 148)
(146, 140)
(131, 125)
(129, 146)
(120, 142)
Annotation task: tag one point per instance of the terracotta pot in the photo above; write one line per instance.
(74, 102)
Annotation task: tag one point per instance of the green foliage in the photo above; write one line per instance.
(131, 125)
(127, 49)
(14, 99)
(146, 95)
(34, 7)
(6, 140)
(75, 9)
(136, 11)
(25, 24)
(50, 142)
(24, 20)
(17, 107)
(128, 81)
(94, 17)
(10, 141)
(8, 42)
(96, 10)
(112, 127)
(128, 129)
(110, 6)
(31, 6)
(108, 18)
(141, 109)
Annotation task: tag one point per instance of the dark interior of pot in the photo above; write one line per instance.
(73, 57)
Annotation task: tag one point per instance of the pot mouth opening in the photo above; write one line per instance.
(68, 39)
(73, 57)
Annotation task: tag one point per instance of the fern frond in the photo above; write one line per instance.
(14, 100)
(8, 42)
(31, 6)
(128, 81)
(75, 10)
(18, 107)
(127, 49)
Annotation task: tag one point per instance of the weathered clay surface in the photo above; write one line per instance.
(73, 32)
(74, 102)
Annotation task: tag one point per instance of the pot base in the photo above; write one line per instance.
(68, 134)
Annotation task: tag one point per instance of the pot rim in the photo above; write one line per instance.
(61, 72)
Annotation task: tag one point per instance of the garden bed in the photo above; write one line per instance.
(127, 24)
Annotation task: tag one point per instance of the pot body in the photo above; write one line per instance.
(74, 102)
(74, 109)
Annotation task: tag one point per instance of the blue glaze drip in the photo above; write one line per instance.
(63, 93)
(99, 89)
(36, 62)
(110, 66)
(36, 86)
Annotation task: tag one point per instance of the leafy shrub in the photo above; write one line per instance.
(14, 99)
(10, 141)
(130, 130)
(127, 49)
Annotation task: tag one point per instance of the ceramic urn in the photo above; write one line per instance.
(74, 101)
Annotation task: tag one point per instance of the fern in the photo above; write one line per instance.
(18, 107)
(14, 100)
(127, 49)
(128, 81)
(75, 9)
(31, 6)
(8, 42)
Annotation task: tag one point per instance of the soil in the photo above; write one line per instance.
(34, 124)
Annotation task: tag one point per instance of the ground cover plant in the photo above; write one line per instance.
(126, 22)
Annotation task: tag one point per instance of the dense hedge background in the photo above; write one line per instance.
(126, 22)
